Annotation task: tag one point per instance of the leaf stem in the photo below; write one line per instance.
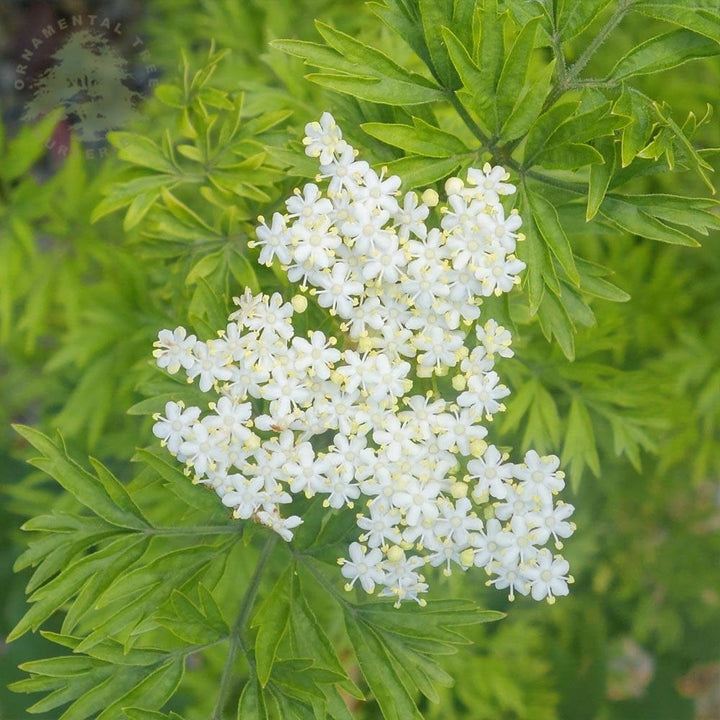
(236, 641)
(579, 65)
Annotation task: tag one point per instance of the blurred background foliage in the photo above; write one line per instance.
(97, 254)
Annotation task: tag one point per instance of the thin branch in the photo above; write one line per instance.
(236, 641)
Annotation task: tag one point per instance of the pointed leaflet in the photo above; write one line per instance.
(600, 175)
(380, 90)
(705, 21)
(554, 321)
(194, 625)
(663, 52)
(140, 150)
(377, 668)
(620, 211)
(514, 72)
(579, 449)
(252, 703)
(400, 21)
(436, 14)
(271, 619)
(104, 495)
(548, 223)
(420, 138)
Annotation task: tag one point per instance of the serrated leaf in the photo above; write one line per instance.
(548, 223)
(420, 138)
(555, 322)
(394, 700)
(698, 19)
(663, 52)
(419, 172)
(545, 126)
(140, 150)
(28, 146)
(621, 212)
(600, 175)
(152, 692)
(252, 703)
(271, 619)
(579, 449)
(88, 490)
(434, 14)
(528, 106)
(514, 71)
(385, 91)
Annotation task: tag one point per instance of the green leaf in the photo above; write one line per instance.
(555, 322)
(545, 126)
(636, 134)
(569, 157)
(152, 692)
(419, 172)
(434, 15)
(141, 150)
(271, 619)
(514, 71)
(394, 700)
(419, 138)
(28, 147)
(701, 166)
(93, 492)
(663, 52)
(53, 595)
(252, 703)
(317, 55)
(385, 91)
(600, 175)
(368, 59)
(620, 211)
(579, 449)
(705, 21)
(194, 625)
(528, 105)
(551, 229)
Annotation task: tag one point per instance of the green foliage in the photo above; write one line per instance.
(153, 602)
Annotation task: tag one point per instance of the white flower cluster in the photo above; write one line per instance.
(417, 464)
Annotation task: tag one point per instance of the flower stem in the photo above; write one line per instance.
(236, 640)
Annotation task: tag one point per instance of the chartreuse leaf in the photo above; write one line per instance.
(104, 494)
(663, 52)
(142, 714)
(271, 619)
(700, 165)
